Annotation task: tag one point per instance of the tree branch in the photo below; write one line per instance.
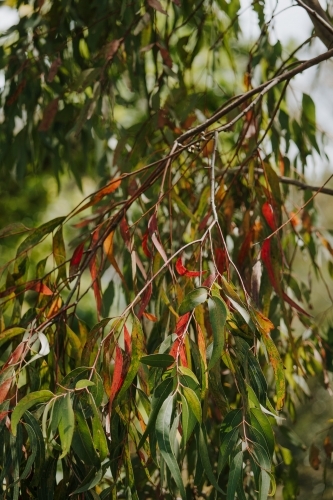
(320, 20)
(282, 179)
(238, 100)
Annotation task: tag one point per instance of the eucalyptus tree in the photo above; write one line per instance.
(198, 332)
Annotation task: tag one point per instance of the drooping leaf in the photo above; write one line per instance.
(137, 351)
(26, 403)
(218, 315)
(38, 234)
(66, 424)
(162, 429)
(235, 475)
(204, 457)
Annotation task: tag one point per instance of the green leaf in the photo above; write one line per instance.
(193, 402)
(235, 475)
(83, 383)
(27, 402)
(14, 228)
(262, 424)
(74, 347)
(193, 299)
(204, 457)
(162, 429)
(66, 425)
(10, 333)
(158, 360)
(40, 447)
(189, 421)
(38, 234)
(99, 438)
(264, 484)
(229, 435)
(137, 351)
(161, 392)
(276, 363)
(59, 252)
(218, 315)
(82, 442)
(89, 481)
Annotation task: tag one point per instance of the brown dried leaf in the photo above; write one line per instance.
(49, 114)
(155, 4)
(314, 458)
(53, 69)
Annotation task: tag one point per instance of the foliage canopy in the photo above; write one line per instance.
(202, 331)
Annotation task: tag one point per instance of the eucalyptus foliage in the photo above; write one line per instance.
(202, 332)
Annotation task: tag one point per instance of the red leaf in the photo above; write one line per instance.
(221, 260)
(124, 231)
(117, 379)
(210, 280)
(194, 274)
(4, 388)
(127, 341)
(145, 248)
(182, 324)
(17, 356)
(152, 224)
(145, 300)
(76, 260)
(268, 213)
(180, 267)
(178, 349)
(246, 245)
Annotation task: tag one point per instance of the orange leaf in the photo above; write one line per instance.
(108, 189)
(108, 249)
(150, 316)
(40, 288)
(117, 379)
(54, 308)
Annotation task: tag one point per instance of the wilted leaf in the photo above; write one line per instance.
(314, 457)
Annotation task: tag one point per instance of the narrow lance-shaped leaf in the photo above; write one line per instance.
(235, 475)
(66, 425)
(218, 315)
(59, 252)
(137, 351)
(162, 428)
(39, 233)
